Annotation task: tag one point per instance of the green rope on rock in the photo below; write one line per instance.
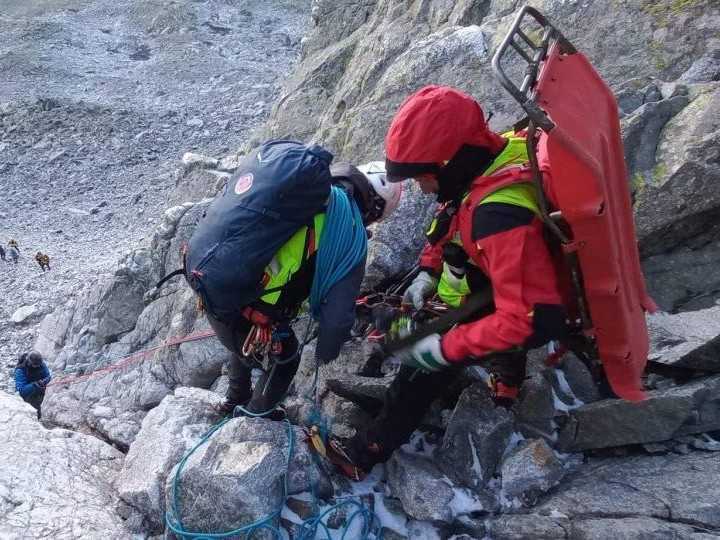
(311, 527)
(173, 520)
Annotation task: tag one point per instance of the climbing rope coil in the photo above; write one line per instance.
(310, 528)
(343, 245)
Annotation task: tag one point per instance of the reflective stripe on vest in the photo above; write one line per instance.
(289, 258)
(523, 194)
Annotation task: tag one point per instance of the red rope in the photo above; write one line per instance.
(132, 358)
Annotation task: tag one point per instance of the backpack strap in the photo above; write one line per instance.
(183, 253)
(169, 276)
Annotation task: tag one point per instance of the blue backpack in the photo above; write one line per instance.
(276, 190)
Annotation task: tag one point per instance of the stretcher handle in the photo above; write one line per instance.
(523, 94)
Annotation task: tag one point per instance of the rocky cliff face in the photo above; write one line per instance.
(53, 482)
(564, 463)
(362, 59)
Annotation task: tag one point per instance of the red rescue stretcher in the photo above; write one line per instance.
(577, 156)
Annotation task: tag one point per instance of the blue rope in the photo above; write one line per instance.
(342, 246)
(311, 527)
(172, 516)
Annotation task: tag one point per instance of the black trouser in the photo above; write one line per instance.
(412, 391)
(36, 400)
(273, 384)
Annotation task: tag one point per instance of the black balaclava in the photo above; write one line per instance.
(455, 177)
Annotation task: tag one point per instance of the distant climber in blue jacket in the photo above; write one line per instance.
(31, 377)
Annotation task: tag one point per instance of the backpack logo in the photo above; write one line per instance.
(244, 183)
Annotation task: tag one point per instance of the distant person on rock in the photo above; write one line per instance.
(31, 378)
(43, 260)
(487, 233)
(13, 252)
(323, 260)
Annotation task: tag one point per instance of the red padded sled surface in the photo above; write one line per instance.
(589, 184)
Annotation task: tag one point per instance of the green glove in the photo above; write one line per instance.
(425, 355)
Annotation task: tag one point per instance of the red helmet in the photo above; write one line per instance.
(429, 129)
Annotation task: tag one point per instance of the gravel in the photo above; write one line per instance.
(99, 101)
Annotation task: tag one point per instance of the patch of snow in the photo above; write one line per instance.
(77, 211)
(23, 314)
(571, 462)
(388, 519)
(554, 513)
(509, 504)
(419, 445)
(370, 482)
(423, 529)
(476, 467)
(288, 515)
(514, 441)
(559, 404)
(464, 502)
(565, 387)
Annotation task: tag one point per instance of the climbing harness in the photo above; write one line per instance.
(257, 341)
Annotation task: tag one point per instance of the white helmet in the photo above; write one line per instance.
(390, 193)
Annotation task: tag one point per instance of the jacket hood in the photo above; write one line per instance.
(431, 127)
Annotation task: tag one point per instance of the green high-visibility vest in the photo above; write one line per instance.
(453, 290)
(288, 260)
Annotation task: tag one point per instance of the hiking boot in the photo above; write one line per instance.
(228, 406)
(278, 414)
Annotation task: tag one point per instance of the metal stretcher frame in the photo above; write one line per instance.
(580, 168)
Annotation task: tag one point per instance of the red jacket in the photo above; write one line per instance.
(517, 261)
